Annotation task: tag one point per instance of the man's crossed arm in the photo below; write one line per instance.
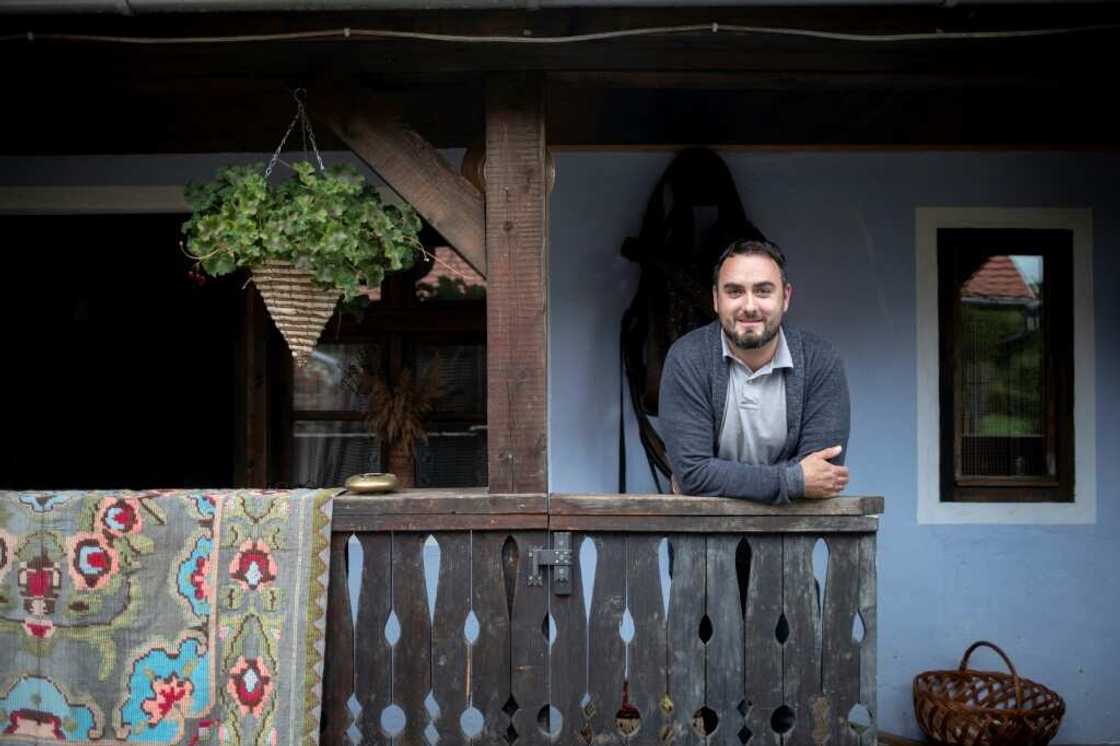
(687, 422)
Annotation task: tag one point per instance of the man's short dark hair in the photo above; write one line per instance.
(750, 247)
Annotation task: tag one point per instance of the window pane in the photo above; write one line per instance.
(452, 459)
(1002, 423)
(462, 379)
(325, 453)
(324, 385)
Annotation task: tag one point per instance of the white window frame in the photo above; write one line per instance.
(931, 509)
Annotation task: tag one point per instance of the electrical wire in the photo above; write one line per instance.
(528, 39)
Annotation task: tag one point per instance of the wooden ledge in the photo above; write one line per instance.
(683, 505)
(465, 509)
(439, 509)
(684, 514)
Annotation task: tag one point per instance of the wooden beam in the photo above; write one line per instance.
(412, 167)
(831, 110)
(719, 39)
(517, 285)
(807, 81)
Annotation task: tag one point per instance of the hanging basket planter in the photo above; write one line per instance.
(309, 240)
(299, 308)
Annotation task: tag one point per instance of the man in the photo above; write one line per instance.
(751, 408)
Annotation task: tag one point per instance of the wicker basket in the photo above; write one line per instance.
(982, 708)
(298, 307)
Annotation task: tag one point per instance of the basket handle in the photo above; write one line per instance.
(1010, 666)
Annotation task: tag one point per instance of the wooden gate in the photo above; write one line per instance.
(674, 620)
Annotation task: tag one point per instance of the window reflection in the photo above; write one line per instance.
(1001, 369)
(322, 384)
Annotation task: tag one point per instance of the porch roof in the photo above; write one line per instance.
(996, 75)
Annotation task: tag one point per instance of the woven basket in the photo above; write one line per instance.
(985, 708)
(298, 307)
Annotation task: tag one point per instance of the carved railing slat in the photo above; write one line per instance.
(648, 662)
(840, 661)
(604, 642)
(412, 656)
(763, 652)
(528, 647)
(568, 666)
(686, 651)
(372, 654)
(724, 651)
(449, 642)
(490, 661)
(867, 658)
(338, 667)
(801, 652)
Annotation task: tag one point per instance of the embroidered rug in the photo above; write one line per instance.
(163, 617)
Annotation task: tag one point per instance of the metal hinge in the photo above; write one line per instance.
(560, 557)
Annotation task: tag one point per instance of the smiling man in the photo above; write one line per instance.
(750, 407)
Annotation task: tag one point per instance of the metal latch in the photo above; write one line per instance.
(560, 557)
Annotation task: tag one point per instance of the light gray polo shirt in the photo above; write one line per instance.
(754, 417)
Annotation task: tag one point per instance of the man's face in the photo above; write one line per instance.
(750, 300)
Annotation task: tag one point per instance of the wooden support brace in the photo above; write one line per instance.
(411, 166)
(517, 285)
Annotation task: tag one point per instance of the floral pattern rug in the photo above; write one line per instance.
(163, 617)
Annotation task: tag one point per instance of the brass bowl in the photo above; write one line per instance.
(372, 483)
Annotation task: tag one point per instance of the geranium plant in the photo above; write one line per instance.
(330, 223)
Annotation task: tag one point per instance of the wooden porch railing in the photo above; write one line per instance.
(682, 620)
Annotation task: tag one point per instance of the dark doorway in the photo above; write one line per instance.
(119, 370)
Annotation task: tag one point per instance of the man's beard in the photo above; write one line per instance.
(747, 341)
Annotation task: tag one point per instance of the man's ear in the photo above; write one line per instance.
(787, 291)
(715, 299)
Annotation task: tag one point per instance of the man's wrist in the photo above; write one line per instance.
(795, 479)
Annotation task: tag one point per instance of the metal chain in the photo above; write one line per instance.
(284, 139)
(305, 130)
(303, 137)
(309, 132)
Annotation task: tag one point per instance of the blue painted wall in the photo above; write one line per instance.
(1048, 594)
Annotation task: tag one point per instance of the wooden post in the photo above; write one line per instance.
(338, 664)
(517, 286)
(251, 469)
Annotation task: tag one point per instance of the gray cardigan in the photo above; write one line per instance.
(692, 402)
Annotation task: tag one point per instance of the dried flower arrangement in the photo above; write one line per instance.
(397, 412)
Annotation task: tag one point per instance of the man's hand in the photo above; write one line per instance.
(823, 479)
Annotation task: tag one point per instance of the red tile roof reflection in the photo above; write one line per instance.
(997, 278)
(448, 265)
